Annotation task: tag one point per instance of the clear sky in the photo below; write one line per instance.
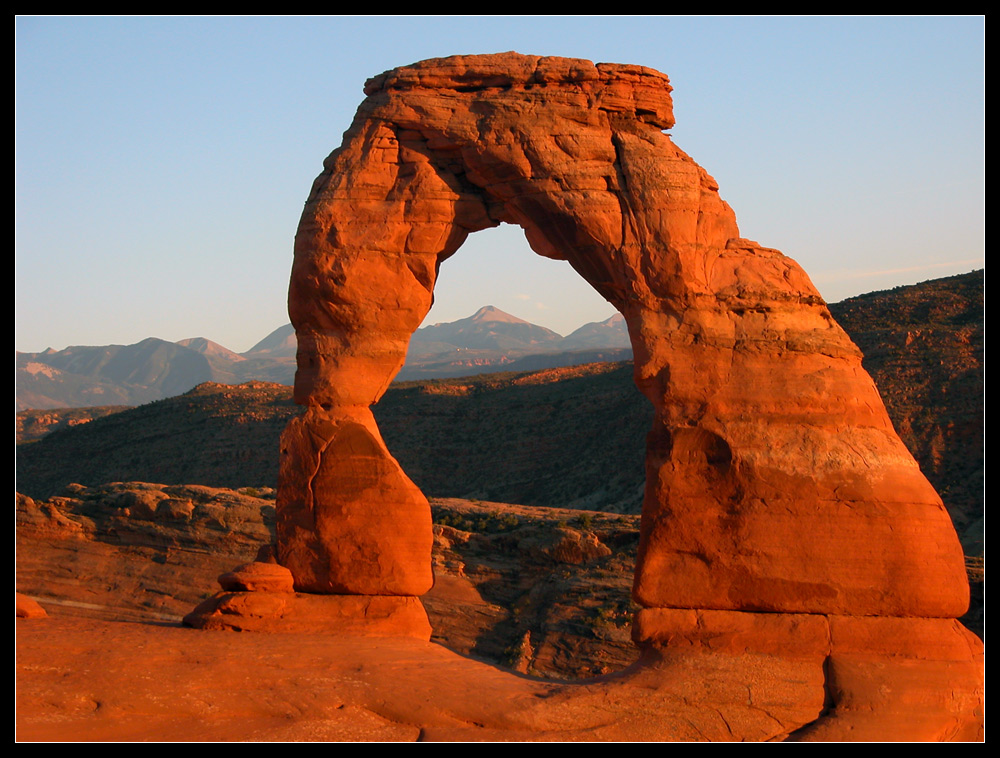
(161, 164)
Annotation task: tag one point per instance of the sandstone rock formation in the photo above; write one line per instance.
(350, 615)
(766, 425)
(492, 584)
(775, 482)
(136, 550)
(259, 597)
(257, 576)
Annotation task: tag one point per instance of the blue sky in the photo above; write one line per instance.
(161, 164)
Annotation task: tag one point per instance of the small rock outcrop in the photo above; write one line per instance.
(258, 576)
(27, 608)
(259, 597)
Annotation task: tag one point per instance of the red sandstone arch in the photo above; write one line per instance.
(775, 481)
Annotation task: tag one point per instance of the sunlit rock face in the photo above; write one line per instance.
(775, 481)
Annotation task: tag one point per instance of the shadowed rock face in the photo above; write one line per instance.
(774, 479)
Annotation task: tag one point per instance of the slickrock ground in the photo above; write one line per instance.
(82, 679)
(541, 590)
(85, 679)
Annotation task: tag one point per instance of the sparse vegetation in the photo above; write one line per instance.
(615, 613)
(492, 523)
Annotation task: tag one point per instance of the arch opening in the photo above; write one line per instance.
(580, 416)
(534, 480)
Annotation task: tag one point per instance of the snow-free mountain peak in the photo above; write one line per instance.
(208, 348)
(278, 344)
(492, 313)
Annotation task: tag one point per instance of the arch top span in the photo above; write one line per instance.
(635, 91)
(771, 459)
(571, 151)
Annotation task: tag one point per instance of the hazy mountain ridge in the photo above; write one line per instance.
(492, 340)
(153, 369)
(278, 344)
(489, 328)
(110, 374)
(610, 333)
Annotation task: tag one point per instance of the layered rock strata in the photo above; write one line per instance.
(775, 482)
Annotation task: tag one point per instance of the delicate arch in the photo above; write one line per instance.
(775, 481)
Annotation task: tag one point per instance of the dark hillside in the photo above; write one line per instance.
(570, 437)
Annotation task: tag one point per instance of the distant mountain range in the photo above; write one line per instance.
(489, 340)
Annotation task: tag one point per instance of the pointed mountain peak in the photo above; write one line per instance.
(207, 347)
(196, 343)
(492, 313)
(279, 343)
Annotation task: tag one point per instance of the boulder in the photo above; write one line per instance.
(257, 577)
(27, 608)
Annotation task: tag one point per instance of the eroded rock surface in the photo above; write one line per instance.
(356, 524)
(82, 553)
(775, 481)
(291, 613)
(136, 549)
